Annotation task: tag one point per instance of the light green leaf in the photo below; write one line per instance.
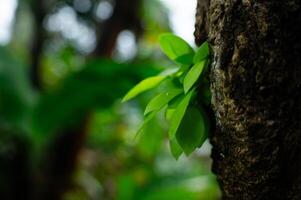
(202, 53)
(169, 113)
(182, 70)
(150, 140)
(176, 48)
(178, 115)
(193, 75)
(143, 86)
(146, 120)
(161, 100)
(175, 148)
(192, 130)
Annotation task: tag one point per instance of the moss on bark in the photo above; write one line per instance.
(256, 86)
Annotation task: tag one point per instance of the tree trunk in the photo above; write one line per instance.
(256, 70)
(125, 16)
(38, 39)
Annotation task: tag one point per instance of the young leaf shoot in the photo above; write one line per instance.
(188, 121)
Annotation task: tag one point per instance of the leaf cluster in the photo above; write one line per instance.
(189, 123)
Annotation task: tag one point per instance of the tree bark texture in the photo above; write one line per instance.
(256, 87)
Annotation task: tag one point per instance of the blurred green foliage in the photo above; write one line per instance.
(113, 163)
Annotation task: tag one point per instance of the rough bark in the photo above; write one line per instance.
(256, 88)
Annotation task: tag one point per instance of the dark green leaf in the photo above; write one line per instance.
(175, 148)
(185, 59)
(206, 94)
(207, 123)
(178, 115)
(176, 48)
(191, 132)
(16, 95)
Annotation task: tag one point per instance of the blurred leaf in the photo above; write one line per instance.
(16, 95)
(146, 121)
(151, 139)
(94, 86)
(193, 75)
(161, 100)
(174, 192)
(176, 48)
(125, 187)
(143, 86)
(184, 69)
(175, 148)
(169, 113)
(202, 53)
(178, 115)
(191, 132)
(156, 20)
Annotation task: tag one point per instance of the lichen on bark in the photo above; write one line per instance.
(256, 87)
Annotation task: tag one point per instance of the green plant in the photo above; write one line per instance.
(189, 123)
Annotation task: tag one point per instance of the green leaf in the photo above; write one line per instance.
(207, 123)
(146, 120)
(202, 53)
(206, 94)
(192, 130)
(182, 70)
(16, 95)
(193, 75)
(151, 138)
(172, 105)
(169, 113)
(185, 59)
(161, 100)
(176, 48)
(175, 148)
(143, 86)
(178, 115)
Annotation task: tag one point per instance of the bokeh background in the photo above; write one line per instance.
(64, 133)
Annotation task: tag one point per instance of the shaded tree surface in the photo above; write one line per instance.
(256, 95)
